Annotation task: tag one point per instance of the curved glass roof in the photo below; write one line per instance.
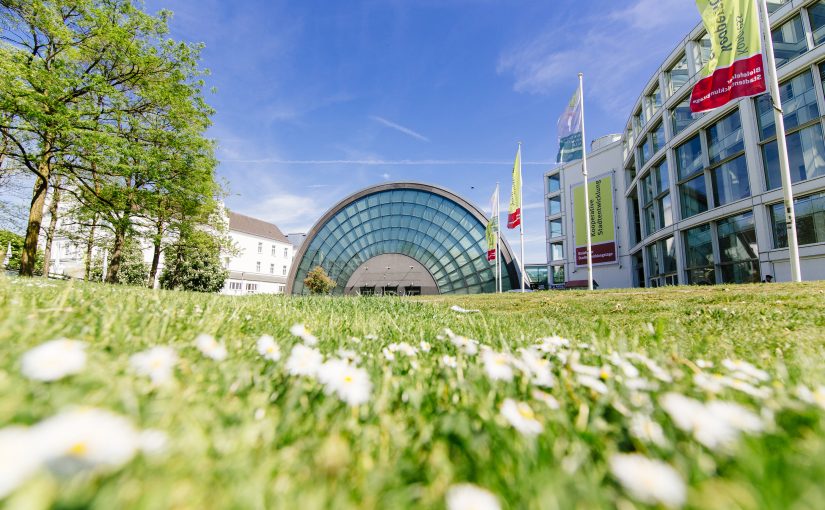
(443, 236)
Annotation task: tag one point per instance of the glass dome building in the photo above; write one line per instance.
(403, 239)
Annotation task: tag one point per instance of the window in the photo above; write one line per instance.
(274, 250)
(391, 290)
(258, 267)
(681, 116)
(692, 189)
(260, 247)
(656, 202)
(738, 253)
(652, 103)
(702, 51)
(816, 14)
(810, 221)
(699, 256)
(283, 271)
(773, 5)
(725, 144)
(662, 259)
(644, 153)
(553, 206)
(555, 228)
(553, 183)
(676, 76)
(412, 291)
(367, 291)
(630, 173)
(271, 268)
(806, 149)
(657, 137)
(789, 41)
(556, 251)
(235, 286)
(286, 253)
(558, 274)
(251, 288)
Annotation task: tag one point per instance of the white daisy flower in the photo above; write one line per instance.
(403, 348)
(593, 383)
(304, 360)
(811, 397)
(497, 365)
(449, 361)
(86, 439)
(304, 334)
(704, 364)
(210, 347)
(649, 481)
(459, 309)
(548, 399)
(711, 427)
(349, 355)
(640, 384)
(553, 344)
(627, 368)
(157, 363)
(351, 384)
(425, 346)
(466, 496)
(710, 383)
(537, 368)
(642, 427)
(745, 371)
(54, 360)
(153, 442)
(521, 417)
(268, 348)
(469, 346)
(371, 336)
(737, 416)
(388, 354)
(20, 458)
(590, 371)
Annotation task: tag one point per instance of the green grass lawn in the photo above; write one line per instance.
(245, 433)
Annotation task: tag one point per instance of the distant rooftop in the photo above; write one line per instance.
(255, 227)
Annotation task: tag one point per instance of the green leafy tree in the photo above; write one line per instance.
(16, 241)
(132, 271)
(194, 264)
(318, 281)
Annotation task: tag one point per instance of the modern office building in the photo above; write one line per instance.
(402, 239)
(697, 199)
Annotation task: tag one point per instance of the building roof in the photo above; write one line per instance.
(255, 227)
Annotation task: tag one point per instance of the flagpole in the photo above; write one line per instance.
(521, 207)
(586, 190)
(497, 210)
(781, 143)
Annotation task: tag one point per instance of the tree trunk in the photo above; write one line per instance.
(117, 256)
(90, 244)
(156, 256)
(28, 257)
(53, 206)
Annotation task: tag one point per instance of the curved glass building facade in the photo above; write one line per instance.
(443, 234)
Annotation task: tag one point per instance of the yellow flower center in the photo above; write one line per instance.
(78, 449)
(526, 412)
(347, 378)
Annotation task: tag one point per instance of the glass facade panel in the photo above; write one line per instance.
(816, 13)
(693, 196)
(677, 76)
(689, 157)
(553, 205)
(798, 104)
(789, 40)
(738, 253)
(556, 251)
(553, 183)
(681, 117)
(699, 256)
(558, 274)
(555, 228)
(644, 153)
(810, 221)
(725, 138)
(730, 182)
(657, 137)
(666, 211)
(806, 155)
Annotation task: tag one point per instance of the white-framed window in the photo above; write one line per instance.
(258, 266)
(260, 247)
(251, 288)
(273, 250)
(284, 271)
(271, 268)
(286, 253)
(235, 286)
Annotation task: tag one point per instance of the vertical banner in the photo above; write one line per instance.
(514, 217)
(735, 68)
(570, 131)
(602, 222)
(492, 227)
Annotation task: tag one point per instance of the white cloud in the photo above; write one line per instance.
(398, 127)
(615, 51)
(291, 213)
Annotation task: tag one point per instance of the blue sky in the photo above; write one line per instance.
(317, 99)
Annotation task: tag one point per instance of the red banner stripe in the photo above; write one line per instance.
(491, 255)
(746, 77)
(514, 219)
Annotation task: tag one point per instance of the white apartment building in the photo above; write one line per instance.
(264, 257)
